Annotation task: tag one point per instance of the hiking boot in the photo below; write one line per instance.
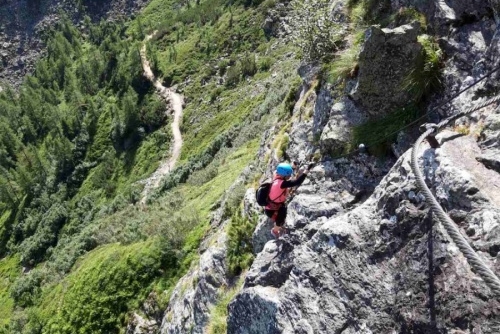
(275, 233)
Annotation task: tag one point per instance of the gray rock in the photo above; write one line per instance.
(336, 135)
(190, 305)
(367, 271)
(491, 159)
(490, 134)
(386, 59)
(139, 325)
(251, 207)
(259, 302)
(262, 234)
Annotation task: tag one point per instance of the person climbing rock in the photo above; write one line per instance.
(280, 189)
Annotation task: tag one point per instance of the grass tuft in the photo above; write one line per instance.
(239, 243)
(218, 317)
(373, 133)
(426, 76)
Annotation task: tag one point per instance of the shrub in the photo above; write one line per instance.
(107, 284)
(239, 243)
(291, 97)
(283, 145)
(407, 15)
(314, 30)
(233, 75)
(264, 64)
(369, 11)
(248, 66)
(27, 288)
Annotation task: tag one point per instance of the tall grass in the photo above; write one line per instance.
(425, 78)
(378, 134)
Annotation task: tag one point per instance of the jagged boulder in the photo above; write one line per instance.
(336, 134)
(384, 266)
(386, 60)
(443, 13)
(262, 233)
(490, 143)
(190, 305)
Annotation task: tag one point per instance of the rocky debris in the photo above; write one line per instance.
(382, 267)
(386, 59)
(276, 21)
(443, 14)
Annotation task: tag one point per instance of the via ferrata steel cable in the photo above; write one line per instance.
(472, 257)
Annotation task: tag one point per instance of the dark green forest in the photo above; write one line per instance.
(77, 251)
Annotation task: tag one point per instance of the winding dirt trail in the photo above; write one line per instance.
(176, 102)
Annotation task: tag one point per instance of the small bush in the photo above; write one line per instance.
(233, 75)
(315, 31)
(248, 66)
(215, 93)
(239, 243)
(264, 64)
(344, 66)
(27, 288)
(369, 11)
(283, 145)
(407, 15)
(291, 97)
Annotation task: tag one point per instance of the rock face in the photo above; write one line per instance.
(441, 14)
(383, 267)
(386, 60)
(336, 134)
(196, 292)
(490, 143)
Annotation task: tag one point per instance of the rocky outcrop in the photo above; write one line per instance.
(490, 143)
(383, 267)
(386, 60)
(443, 14)
(196, 292)
(336, 134)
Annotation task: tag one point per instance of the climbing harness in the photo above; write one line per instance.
(472, 257)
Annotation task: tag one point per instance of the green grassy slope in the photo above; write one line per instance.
(91, 127)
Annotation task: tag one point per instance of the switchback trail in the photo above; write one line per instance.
(176, 102)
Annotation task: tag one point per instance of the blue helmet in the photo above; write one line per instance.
(284, 170)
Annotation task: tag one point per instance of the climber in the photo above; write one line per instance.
(280, 189)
